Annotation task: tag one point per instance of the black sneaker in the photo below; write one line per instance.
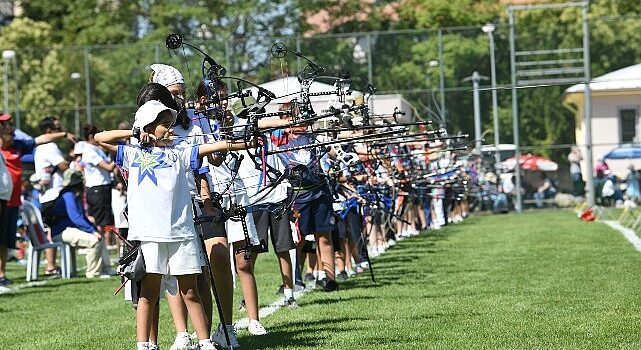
(342, 276)
(327, 285)
(5, 281)
(290, 303)
(309, 277)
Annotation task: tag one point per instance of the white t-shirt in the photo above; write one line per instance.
(95, 175)
(6, 184)
(159, 208)
(46, 158)
(187, 138)
(257, 186)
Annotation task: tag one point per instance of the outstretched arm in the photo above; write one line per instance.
(209, 148)
(107, 139)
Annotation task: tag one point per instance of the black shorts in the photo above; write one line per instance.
(309, 247)
(99, 202)
(316, 216)
(4, 222)
(212, 229)
(281, 231)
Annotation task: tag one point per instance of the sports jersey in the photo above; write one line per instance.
(159, 208)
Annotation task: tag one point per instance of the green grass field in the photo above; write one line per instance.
(542, 280)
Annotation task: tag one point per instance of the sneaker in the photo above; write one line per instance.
(299, 287)
(342, 276)
(280, 289)
(153, 347)
(327, 285)
(218, 338)
(350, 272)
(359, 269)
(290, 303)
(207, 346)
(182, 342)
(4, 281)
(255, 328)
(309, 277)
(391, 242)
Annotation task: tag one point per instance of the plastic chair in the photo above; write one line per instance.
(38, 237)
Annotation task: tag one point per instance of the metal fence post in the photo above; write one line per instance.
(515, 115)
(441, 76)
(370, 73)
(587, 94)
(87, 84)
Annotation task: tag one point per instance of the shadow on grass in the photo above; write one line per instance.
(306, 334)
(52, 285)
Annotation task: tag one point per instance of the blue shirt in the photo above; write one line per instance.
(69, 213)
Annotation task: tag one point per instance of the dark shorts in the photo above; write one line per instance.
(316, 216)
(99, 202)
(212, 229)
(4, 220)
(12, 226)
(280, 231)
(309, 247)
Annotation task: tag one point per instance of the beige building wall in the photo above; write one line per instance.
(606, 127)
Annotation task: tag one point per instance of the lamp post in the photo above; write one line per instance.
(430, 64)
(6, 56)
(475, 78)
(489, 30)
(75, 76)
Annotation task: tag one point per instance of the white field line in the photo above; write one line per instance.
(268, 310)
(629, 234)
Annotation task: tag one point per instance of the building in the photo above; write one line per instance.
(380, 105)
(616, 102)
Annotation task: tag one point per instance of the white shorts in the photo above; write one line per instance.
(235, 228)
(172, 258)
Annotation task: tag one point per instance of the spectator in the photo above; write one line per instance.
(6, 186)
(12, 149)
(610, 193)
(633, 192)
(575, 157)
(49, 161)
(78, 150)
(545, 190)
(70, 225)
(601, 167)
(98, 169)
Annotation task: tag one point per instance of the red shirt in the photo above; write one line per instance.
(12, 156)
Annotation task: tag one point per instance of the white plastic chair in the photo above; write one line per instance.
(38, 238)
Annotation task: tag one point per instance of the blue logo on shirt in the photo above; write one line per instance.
(148, 162)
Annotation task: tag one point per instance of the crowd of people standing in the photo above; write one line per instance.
(188, 194)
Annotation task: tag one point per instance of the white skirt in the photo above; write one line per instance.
(235, 228)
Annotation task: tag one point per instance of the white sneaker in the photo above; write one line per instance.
(182, 342)
(391, 242)
(218, 338)
(255, 328)
(206, 346)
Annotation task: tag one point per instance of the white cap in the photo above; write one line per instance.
(166, 75)
(79, 147)
(148, 112)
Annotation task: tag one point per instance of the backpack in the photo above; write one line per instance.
(48, 215)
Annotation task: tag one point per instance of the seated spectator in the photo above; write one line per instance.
(610, 193)
(545, 190)
(71, 226)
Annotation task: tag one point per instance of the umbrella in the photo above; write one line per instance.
(531, 162)
(628, 151)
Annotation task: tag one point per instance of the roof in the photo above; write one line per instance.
(628, 78)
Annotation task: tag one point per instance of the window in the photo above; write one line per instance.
(628, 123)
